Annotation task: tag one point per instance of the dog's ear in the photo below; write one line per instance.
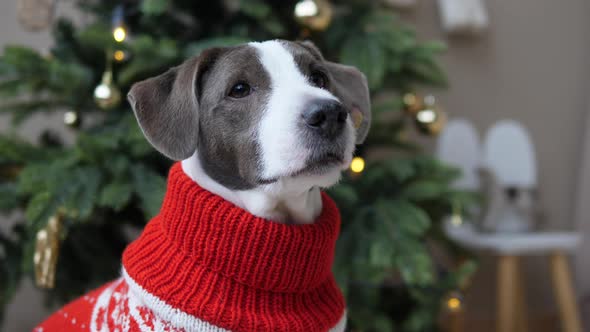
(167, 106)
(350, 86)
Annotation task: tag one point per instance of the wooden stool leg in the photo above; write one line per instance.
(506, 304)
(566, 300)
(521, 305)
(457, 321)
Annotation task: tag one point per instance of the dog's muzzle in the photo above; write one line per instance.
(325, 118)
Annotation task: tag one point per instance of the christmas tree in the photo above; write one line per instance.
(81, 200)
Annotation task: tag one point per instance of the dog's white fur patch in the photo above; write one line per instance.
(283, 153)
(278, 201)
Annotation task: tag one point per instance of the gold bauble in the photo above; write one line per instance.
(314, 14)
(47, 251)
(412, 102)
(430, 118)
(107, 95)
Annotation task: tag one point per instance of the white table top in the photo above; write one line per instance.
(513, 243)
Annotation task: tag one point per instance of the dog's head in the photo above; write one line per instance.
(257, 113)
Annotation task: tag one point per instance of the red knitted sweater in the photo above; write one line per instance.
(204, 264)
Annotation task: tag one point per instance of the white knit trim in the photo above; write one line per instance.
(178, 318)
(100, 308)
(166, 312)
(341, 325)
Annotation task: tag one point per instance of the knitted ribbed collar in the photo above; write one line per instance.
(209, 258)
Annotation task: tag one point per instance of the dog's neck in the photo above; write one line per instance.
(301, 207)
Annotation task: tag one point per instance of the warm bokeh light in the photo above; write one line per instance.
(410, 99)
(426, 116)
(70, 117)
(454, 303)
(119, 55)
(456, 220)
(102, 91)
(306, 8)
(119, 34)
(357, 165)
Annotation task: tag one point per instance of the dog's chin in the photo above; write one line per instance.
(323, 171)
(321, 165)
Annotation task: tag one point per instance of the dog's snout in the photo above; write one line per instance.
(326, 117)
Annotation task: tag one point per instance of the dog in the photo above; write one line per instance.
(245, 237)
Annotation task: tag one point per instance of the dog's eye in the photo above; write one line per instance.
(318, 79)
(240, 90)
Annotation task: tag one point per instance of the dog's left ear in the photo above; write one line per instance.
(350, 86)
(167, 106)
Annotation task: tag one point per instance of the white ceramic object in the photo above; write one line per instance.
(509, 153)
(458, 145)
(509, 173)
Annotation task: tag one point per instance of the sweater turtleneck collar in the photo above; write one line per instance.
(209, 258)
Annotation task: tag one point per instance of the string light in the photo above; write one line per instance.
(456, 220)
(70, 118)
(118, 24)
(119, 55)
(357, 165)
(119, 33)
(456, 217)
(454, 301)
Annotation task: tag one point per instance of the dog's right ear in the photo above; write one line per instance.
(167, 106)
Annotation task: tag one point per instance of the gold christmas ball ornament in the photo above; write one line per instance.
(430, 119)
(107, 95)
(47, 251)
(412, 102)
(314, 14)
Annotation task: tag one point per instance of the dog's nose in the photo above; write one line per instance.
(326, 117)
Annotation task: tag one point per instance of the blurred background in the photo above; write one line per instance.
(481, 135)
